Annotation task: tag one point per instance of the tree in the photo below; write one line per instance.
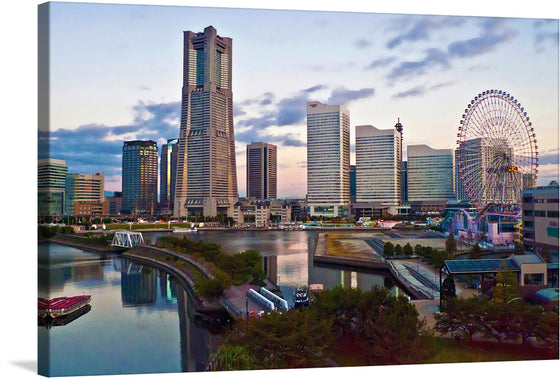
(418, 250)
(518, 249)
(448, 288)
(388, 249)
(407, 249)
(231, 358)
(461, 318)
(475, 251)
(398, 250)
(451, 244)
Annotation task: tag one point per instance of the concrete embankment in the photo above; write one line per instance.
(234, 300)
(80, 243)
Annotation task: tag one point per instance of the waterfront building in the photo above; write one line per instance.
(328, 159)
(280, 211)
(261, 171)
(540, 220)
(51, 182)
(378, 166)
(168, 175)
(113, 204)
(206, 171)
(139, 176)
(84, 194)
(404, 182)
(430, 174)
(352, 183)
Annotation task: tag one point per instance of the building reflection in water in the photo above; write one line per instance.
(139, 288)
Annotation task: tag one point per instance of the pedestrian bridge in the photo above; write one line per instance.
(127, 239)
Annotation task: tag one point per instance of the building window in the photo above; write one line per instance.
(533, 279)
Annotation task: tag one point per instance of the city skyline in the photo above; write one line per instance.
(383, 68)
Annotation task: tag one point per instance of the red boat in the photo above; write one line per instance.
(61, 306)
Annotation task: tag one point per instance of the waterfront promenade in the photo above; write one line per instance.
(234, 300)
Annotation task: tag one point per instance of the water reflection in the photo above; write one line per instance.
(141, 319)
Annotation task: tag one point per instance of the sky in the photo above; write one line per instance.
(124, 83)
(116, 75)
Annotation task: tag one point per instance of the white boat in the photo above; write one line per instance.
(185, 230)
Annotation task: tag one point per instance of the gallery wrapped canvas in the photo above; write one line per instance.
(228, 189)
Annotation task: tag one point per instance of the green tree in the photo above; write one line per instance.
(231, 358)
(475, 252)
(448, 288)
(418, 250)
(460, 318)
(388, 249)
(398, 250)
(407, 249)
(451, 244)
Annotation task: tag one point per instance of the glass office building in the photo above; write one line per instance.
(168, 174)
(139, 176)
(206, 170)
(328, 159)
(262, 171)
(378, 166)
(51, 182)
(430, 173)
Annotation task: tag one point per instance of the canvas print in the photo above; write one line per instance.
(225, 189)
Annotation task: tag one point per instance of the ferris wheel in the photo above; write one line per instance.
(497, 151)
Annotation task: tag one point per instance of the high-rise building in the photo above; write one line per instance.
(328, 159)
(206, 170)
(378, 166)
(261, 171)
(139, 176)
(352, 183)
(51, 181)
(430, 173)
(404, 182)
(478, 171)
(168, 174)
(84, 191)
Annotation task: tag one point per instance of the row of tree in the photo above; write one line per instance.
(384, 328)
(227, 269)
(503, 316)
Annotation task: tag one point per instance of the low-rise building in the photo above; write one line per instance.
(540, 220)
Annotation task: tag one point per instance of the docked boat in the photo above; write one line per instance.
(185, 230)
(301, 297)
(61, 306)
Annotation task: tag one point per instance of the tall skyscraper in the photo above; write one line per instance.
(378, 166)
(206, 170)
(139, 176)
(261, 171)
(430, 173)
(328, 159)
(85, 189)
(51, 181)
(168, 174)
(404, 182)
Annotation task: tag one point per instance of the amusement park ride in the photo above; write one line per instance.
(496, 159)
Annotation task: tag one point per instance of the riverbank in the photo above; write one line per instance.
(185, 268)
(80, 243)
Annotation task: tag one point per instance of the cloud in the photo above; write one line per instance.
(98, 148)
(381, 62)
(421, 29)
(491, 36)
(344, 96)
(548, 159)
(416, 91)
(434, 58)
(362, 43)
